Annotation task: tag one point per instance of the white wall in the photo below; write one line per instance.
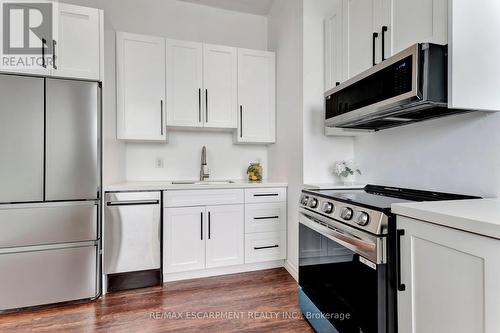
(320, 151)
(285, 157)
(180, 20)
(453, 154)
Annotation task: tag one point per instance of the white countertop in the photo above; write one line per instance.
(167, 185)
(332, 186)
(481, 216)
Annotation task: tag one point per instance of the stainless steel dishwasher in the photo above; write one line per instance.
(132, 240)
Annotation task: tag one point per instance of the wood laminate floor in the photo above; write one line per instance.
(263, 301)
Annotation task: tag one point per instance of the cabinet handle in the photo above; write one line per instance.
(201, 224)
(337, 83)
(266, 195)
(161, 116)
(54, 43)
(241, 121)
(375, 35)
(384, 30)
(206, 105)
(44, 42)
(266, 218)
(209, 225)
(399, 234)
(199, 105)
(266, 247)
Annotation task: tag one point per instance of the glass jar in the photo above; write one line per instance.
(254, 172)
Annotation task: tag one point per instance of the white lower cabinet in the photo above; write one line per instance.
(202, 237)
(224, 245)
(183, 239)
(220, 231)
(450, 280)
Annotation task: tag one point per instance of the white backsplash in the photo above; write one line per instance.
(182, 157)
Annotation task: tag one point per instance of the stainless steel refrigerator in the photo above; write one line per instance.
(50, 185)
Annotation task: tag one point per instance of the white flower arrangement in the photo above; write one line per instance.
(344, 169)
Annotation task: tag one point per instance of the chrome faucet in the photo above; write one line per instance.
(204, 171)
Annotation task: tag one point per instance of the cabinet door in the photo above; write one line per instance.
(360, 16)
(335, 47)
(419, 21)
(140, 75)
(184, 239)
(451, 280)
(77, 47)
(225, 236)
(184, 83)
(19, 52)
(256, 96)
(220, 78)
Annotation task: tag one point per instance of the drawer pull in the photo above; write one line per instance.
(266, 247)
(266, 195)
(266, 218)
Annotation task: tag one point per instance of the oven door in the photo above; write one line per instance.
(342, 276)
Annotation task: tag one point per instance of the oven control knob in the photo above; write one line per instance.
(304, 200)
(363, 219)
(346, 213)
(313, 203)
(327, 207)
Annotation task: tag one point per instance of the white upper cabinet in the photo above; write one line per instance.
(450, 280)
(360, 17)
(78, 42)
(75, 49)
(225, 236)
(184, 68)
(140, 63)
(418, 22)
(256, 97)
(220, 83)
(335, 47)
(474, 51)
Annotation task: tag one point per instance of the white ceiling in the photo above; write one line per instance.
(258, 7)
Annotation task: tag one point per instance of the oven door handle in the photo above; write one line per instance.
(365, 248)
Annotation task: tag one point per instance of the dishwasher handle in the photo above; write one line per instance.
(133, 203)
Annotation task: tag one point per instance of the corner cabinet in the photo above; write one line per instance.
(448, 280)
(140, 75)
(256, 97)
(76, 49)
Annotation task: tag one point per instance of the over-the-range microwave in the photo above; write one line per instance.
(407, 87)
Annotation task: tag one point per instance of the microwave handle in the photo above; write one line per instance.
(374, 38)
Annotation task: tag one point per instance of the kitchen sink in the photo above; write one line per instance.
(204, 182)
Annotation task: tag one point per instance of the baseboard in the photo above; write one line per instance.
(168, 277)
(294, 272)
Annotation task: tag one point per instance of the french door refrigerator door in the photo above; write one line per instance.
(21, 139)
(72, 140)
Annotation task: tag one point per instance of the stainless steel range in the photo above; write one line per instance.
(348, 257)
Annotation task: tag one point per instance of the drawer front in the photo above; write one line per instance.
(271, 194)
(45, 277)
(265, 217)
(186, 198)
(47, 223)
(265, 246)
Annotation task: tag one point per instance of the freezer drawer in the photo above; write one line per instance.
(72, 140)
(49, 276)
(47, 223)
(132, 232)
(21, 139)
